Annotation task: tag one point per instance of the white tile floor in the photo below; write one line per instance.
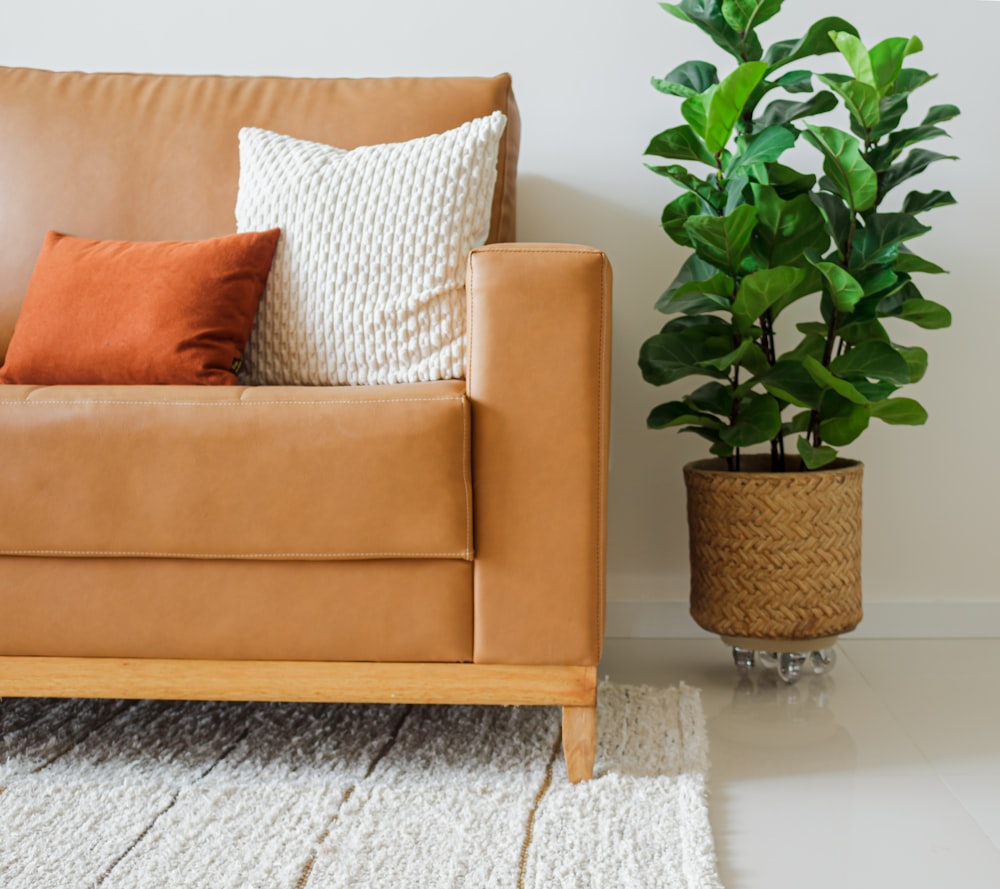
(884, 773)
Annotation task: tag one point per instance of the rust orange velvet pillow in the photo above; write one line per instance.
(125, 312)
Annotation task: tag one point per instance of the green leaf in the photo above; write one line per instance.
(881, 158)
(907, 302)
(844, 288)
(783, 111)
(746, 15)
(812, 328)
(921, 202)
(916, 361)
(758, 420)
(676, 213)
(887, 59)
(687, 180)
(761, 290)
(924, 313)
(667, 357)
(877, 391)
(837, 217)
(842, 420)
(715, 398)
(861, 100)
(878, 241)
(862, 330)
(799, 423)
(707, 16)
(693, 269)
(908, 263)
(723, 240)
(939, 114)
(911, 79)
(890, 111)
(872, 360)
(810, 346)
(900, 412)
(816, 42)
(688, 79)
(698, 297)
(815, 458)
(680, 143)
(713, 113)
(828, 381)
(791, 382)
(913, 164)
(789, 183)
(786, 229)
(875, 278)
(854, 180)
(677, 413)
(721, 449)
(796, 82)
(765, 147)
(857, 56)
(732, 358)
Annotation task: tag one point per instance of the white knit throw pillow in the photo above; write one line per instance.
(368, 280)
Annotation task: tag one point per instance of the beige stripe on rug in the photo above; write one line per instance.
(114, 794)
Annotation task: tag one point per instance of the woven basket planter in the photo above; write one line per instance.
(775, 555)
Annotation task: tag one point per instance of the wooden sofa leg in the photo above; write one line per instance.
(579, 726)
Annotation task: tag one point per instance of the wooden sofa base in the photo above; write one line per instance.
(571, 687)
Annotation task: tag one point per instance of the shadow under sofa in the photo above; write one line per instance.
(437, 542)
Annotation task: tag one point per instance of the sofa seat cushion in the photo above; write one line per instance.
(378, 472)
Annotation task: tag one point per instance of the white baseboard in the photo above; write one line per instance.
(883, 620)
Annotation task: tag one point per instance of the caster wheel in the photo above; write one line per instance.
(790, 665)
(822, 661)
(744, 658)
(768, 659)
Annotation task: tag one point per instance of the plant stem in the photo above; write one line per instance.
(734, 412)
(767, 336)
(770, 352)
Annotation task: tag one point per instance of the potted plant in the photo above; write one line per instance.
(800, 279)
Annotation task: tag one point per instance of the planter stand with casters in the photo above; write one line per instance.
(791, 657)
(775, 560)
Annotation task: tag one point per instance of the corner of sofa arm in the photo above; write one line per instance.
(539, 339)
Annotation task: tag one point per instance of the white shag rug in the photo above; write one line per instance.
(293, 796)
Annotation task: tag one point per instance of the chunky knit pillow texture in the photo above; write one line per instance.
(367, 285)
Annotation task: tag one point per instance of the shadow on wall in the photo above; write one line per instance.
(647, 530)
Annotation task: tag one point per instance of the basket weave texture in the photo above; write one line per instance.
(775, 555)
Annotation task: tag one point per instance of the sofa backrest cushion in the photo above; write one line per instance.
(156, 157)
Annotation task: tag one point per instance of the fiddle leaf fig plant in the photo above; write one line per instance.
(765, 235)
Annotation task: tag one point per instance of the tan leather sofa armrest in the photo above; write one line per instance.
(538, 379)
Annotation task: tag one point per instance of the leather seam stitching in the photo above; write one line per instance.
(242, 556)
(467, 483)
(597, 486)
(492, 249)
(125, 403)
(470, 321)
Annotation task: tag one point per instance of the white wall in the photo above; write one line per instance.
(581, 70)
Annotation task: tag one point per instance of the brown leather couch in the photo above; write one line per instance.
(436, 542)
